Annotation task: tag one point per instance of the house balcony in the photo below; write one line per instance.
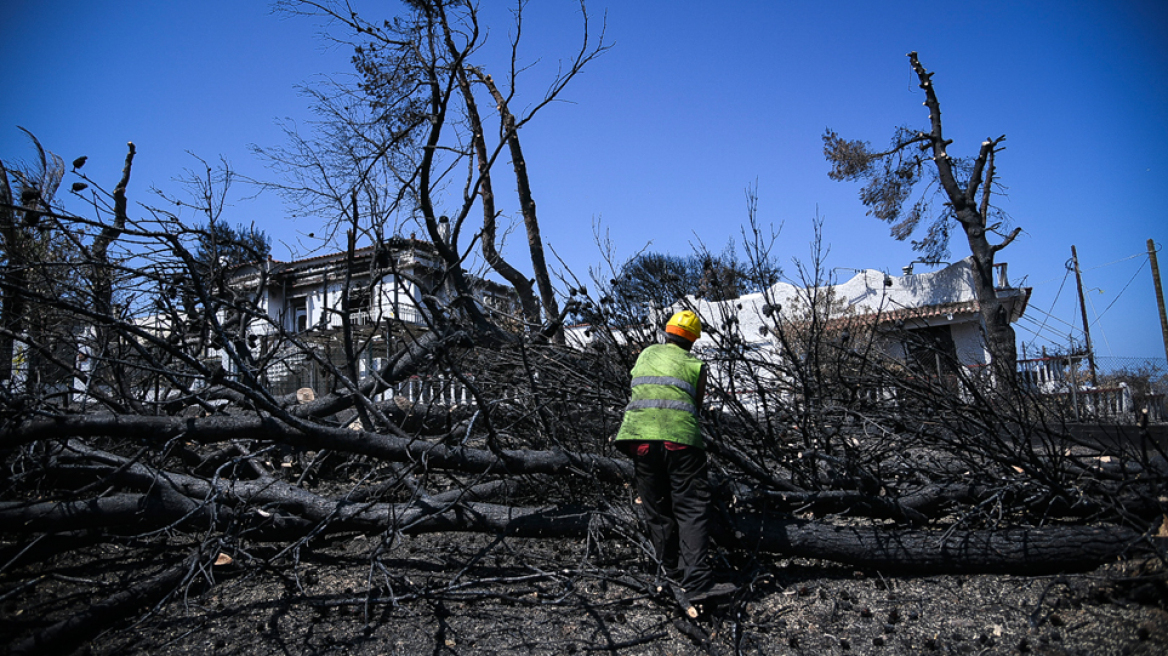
(405, 314)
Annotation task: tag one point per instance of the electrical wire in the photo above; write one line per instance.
(1125, 259)
(1066, 274)
(1043, 327)
(1129, 282)
(1041, 330)
(1032, 332)
(1046, 332)
(1102, 332)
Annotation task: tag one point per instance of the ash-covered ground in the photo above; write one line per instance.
(475, 594)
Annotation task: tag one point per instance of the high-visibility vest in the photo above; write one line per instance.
(663, 405)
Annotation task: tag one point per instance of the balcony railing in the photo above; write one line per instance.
(364, 318)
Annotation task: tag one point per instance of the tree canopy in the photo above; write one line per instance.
(219, 245)
(917, 184)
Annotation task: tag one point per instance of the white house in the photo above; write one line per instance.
(384, 285)
(381, 282)
(940, 308)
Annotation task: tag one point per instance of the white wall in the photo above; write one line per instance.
(865, 293)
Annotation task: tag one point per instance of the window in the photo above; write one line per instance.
(931, 351)
(359, 300)
(299, 314)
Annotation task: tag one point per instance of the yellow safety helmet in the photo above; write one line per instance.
(685, 324)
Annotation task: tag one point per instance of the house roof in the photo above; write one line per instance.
(391, 244)
(955, 308)
(330, 261)
(874, 295)
(931, 311)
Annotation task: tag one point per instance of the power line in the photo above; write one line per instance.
(1066, 274)
(1036, 333)
(1053, 338)
(1043, 327)
(1129, 282)
(1101, 331)
(1043, 330)
(1046, 332)
(1055, 318)
(1125, 259)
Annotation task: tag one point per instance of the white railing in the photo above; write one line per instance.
(1108, 403)
(405, 313)
(442, 390)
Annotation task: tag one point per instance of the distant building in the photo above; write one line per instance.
(384, 286)
(938, 309)
(385, 282)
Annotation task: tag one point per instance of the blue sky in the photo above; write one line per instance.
(662, 135)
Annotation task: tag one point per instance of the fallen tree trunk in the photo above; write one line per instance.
(385, 447)
(934, 501)
(1006, 551)
(142, 511)
(1016, 550)
(1002, 551)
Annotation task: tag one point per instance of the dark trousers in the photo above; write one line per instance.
(675, 493)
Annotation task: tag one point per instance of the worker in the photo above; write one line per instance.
(660, 433)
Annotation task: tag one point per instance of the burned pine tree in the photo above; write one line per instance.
(185, 450)
(965, 187)
(27, 233)
(829, 451)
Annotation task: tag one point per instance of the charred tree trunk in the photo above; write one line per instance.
(510, 132)
(971, 208)
(105, 370)
(519, 282)
(397, 449)
(1012, 551)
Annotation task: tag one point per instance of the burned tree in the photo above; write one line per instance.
(823, 449)
(27, 234)
(965, 188)
(395, 141)
(186, 455)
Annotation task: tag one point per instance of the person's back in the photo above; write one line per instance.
(660, 432)
(664, 401)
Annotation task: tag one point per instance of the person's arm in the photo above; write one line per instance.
(701, 393)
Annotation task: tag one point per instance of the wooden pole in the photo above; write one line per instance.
(1083, 308)
(1159, 293)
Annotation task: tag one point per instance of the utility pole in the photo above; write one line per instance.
(1083, 307)
(1159, 293)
